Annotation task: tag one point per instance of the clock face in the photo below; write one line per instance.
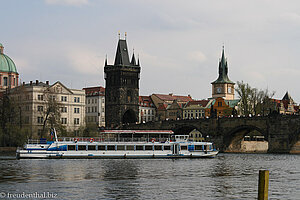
(219, 90)
(229, 90)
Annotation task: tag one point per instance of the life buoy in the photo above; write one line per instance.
(153, 140)
(91, 140)
(76, 140)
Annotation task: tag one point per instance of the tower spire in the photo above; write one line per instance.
(133, 62)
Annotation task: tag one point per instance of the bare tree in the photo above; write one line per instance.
(51, 111)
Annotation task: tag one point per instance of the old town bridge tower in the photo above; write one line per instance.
(121, 88)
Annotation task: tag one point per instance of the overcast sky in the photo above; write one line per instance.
(179, 43)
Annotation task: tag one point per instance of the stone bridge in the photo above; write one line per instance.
(281, 132)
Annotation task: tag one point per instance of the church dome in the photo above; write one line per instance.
(6, 63)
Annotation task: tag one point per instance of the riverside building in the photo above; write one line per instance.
(35, 99)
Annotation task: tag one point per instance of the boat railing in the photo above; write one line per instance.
(100, 139)
(37, 141)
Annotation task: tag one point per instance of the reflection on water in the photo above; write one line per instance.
(229, 176)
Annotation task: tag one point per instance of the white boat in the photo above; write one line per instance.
(120, 147)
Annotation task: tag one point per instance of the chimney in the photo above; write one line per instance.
(30, 82)
(23, 83)
(47, 82)
(37, 82)
(171, 94)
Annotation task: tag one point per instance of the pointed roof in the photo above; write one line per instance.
(287, 96)
(223, 71)
(122, 57)
(133, 62)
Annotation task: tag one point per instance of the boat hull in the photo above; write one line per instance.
(44, 154)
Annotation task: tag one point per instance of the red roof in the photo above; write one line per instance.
(94, 91)
(203, 103)
(171, 97)
(162, 106)
(145, 101)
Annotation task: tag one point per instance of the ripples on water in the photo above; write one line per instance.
(228, 176)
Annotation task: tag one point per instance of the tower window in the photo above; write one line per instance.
(5, 81)
(129, 96)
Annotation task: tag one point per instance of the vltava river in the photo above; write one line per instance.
(228, 176)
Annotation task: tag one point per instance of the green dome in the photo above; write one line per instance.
(6, 63)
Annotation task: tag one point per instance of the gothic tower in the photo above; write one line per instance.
(121, 88)
(223, 87)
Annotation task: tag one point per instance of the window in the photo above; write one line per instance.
(81, 147)
(63, 98)
(149, 147)
(76, 99)
(40, 97)
(63, 109)
(139, 148)
(40, 120)
(121, 147)
(76, 120)
(76, 110)
(130, 148)
(110, 147)
(95, 109)
(101, 147)
(26, 120)
(26, 108)
(63, 120)
(5, 81)
(40, 108)
(89, 101)
(92, 147)
(158, 147)
(167, 147)
(198, 147)
(71, 148)
(52, 97)
(183, 147)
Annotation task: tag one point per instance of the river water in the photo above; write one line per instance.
(228, 176)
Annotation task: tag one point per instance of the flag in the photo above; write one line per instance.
(52, 134)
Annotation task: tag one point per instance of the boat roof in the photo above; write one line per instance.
(169, 132)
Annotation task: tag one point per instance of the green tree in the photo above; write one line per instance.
(254, 101)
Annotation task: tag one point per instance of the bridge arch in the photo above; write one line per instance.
(184, 129)
(232, 140)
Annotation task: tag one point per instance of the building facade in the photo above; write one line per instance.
(147, 110)
(223, 86)
(169, 106)
(122, 88)
(95, 105)
(9, 77)
(37, 99)
(195, 109)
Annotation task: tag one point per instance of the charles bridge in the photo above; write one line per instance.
(281, 131)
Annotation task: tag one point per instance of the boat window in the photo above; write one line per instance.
(167, 147)
(198, 147)
(101, 147)
(139, 147)
(147, 147)
(158, 147)
(121, 147)
(92, 147)
(110, 147)
(183, 147)
(71, 147)
(81, 147)
(130, 148)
